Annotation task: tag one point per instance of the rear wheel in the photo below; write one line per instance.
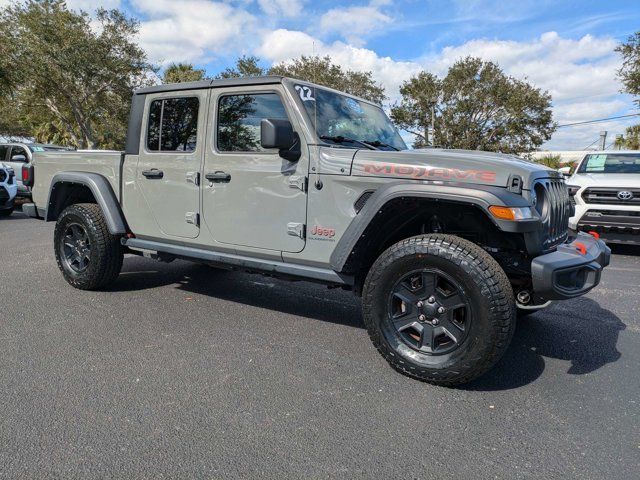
(88, 255)
(6, 213)
(439, 308)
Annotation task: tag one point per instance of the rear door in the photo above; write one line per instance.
(259, 200)
(170, 161)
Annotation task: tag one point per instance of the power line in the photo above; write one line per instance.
(599, 120)
(591, 144)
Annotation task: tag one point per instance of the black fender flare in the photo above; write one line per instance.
(102, 192)
(481, 196)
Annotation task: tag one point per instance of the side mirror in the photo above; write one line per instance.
(566, 171)
(18, 158)
(278, 133)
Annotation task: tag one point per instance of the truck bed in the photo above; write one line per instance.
(48, 164)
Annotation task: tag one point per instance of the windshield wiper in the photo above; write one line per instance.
(378, 143)
(341, 139)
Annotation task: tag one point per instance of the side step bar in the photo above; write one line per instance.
(244, 263)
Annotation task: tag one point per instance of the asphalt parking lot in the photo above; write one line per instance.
(184, 371)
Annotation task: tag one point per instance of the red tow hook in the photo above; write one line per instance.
(595, 235)
(581, 248)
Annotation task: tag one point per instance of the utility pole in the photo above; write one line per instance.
(433, 125)
(603, 139)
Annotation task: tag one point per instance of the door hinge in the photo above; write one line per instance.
(193, 177)
(193, 218)
(296, 229)
(299, 182)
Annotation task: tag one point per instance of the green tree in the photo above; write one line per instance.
(320, 70)
(629, 73)
(631, 139)
(551, 161)
(475, 106)
(182, 72)
(72, 75)
(244, 67)
(323, 71)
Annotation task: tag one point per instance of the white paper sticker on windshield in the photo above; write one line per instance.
(596, 163)
(306, 94)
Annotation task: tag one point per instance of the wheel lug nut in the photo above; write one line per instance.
(440, 309)
(435, 321)
(431, 300)
(419, 304)
(422, 318)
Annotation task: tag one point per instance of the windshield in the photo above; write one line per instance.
(346, 121)
(611, 163)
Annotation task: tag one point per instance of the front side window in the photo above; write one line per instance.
(239, 119)
(3, 152)
(611, 163)
(15, 151)
(173, 125)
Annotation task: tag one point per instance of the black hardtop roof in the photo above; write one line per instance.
(218, 83)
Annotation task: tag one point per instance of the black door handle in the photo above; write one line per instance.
(153, 173)
(218, 177)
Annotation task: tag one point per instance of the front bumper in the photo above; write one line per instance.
(7, 195)
(572, 270)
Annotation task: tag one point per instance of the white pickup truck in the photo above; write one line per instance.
(605, 189)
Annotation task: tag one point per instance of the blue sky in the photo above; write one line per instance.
(565, 47)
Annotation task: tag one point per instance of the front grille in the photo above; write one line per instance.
(609, 196)
(554, 206)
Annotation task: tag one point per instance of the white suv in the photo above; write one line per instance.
(605, 189)
(8, 190)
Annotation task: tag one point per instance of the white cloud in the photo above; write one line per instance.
(190, 30)
(580, 74)
(567, 68)
(355, 23)
(90, 5)
(288, 8)
(282, 45)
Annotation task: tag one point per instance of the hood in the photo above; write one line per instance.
(466, 166)
(619, 180)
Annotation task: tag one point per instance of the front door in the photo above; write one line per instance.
(253, 198)
(168, 168)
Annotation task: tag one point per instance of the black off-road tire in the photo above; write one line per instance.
(6, 213)
(106, 252)
(483, 284)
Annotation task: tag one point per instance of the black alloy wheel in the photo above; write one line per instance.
(76, 248)
(430, 311)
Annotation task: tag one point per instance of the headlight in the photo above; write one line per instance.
(511, 213)
(573, 189)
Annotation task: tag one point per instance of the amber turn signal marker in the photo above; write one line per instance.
(503, 213)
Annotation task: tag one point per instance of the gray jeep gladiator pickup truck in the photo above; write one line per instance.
(286, 178)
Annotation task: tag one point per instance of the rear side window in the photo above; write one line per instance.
(239, 119)
(173, 125)
(15, 151)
